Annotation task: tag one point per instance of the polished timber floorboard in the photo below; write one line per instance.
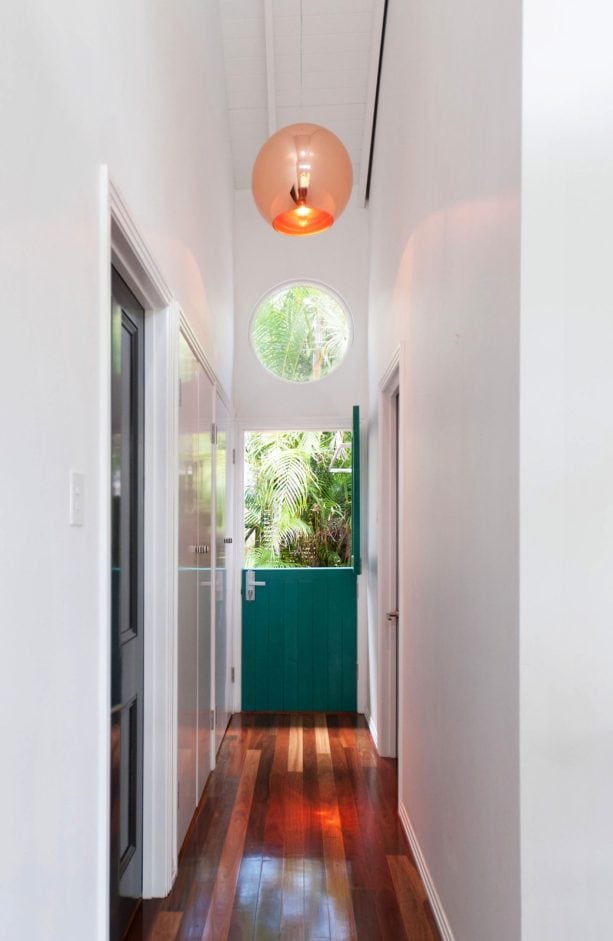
(297, 838)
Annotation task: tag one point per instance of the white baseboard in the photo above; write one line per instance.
(372, 728)
(439, 913)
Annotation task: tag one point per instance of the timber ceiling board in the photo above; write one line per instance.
(300, 60)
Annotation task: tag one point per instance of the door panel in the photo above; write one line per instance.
(194, 667)
(188, 590)
(222, 527)
(127, 524)
(204, 475)
(299, 641)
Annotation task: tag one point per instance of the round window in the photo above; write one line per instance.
(300, 332)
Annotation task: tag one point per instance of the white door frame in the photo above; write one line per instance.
(389, 563)
(122, 245)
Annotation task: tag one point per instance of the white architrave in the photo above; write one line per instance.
(124, 247)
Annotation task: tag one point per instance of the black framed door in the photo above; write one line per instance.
(127, 514)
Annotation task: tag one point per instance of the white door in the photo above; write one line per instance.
(223, 549)
(194, 585)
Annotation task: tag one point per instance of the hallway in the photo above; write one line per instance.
(297, 837)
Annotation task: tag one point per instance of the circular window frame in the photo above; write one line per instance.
(322, 286)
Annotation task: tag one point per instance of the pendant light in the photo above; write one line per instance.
(302, 179)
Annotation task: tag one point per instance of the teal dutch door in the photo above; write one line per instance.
(299, 629)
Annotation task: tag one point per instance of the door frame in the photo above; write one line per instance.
(122, 245)
(390, 457)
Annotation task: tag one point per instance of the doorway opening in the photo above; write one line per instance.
(299, 586)
(298, 499)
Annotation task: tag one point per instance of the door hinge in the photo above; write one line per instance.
(180, 393)
(231, 674)
(234, 455)
(213, 433)
(212, 720)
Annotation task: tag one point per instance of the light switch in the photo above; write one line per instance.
(77, 485)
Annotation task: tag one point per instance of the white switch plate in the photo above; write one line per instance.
(77, 490)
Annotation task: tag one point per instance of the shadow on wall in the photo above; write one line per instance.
(190, 291)
(429, 271)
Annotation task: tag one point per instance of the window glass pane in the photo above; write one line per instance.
(301, 332)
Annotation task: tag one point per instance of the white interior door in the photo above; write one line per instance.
(204, 490)
(223, 551)
(194, 585)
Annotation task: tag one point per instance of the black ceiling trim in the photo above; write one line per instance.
(374, 117)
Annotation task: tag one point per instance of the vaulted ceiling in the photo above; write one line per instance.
(290, 61)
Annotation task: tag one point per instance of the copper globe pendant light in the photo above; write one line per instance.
(302, 179)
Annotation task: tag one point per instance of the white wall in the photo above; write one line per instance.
(445, 286)
(138, 86)
(567, 471)
(263, 259)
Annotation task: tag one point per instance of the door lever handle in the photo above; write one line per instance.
(393, 615)
(250, 585)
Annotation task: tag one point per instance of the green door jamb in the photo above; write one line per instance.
(356, 558)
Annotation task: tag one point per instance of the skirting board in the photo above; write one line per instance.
(372, 728)
(439, 913)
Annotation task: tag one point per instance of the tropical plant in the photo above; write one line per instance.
(300, 332)
(298, 499)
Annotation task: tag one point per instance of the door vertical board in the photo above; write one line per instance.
(306, 651)
(320, 629)
(248, 651)
(290, 654)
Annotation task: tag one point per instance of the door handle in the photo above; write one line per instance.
(251, 584)
(393, 615)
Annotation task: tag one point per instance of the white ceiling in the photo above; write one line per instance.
(289, 61)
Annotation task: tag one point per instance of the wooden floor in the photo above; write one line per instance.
(298, 839)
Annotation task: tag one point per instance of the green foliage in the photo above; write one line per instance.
(300, 333)
(298, 499)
